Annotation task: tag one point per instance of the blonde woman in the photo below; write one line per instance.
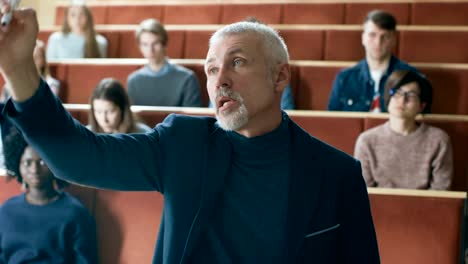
(77, 39)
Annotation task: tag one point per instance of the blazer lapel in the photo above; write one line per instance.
(304, 188)
(217, 165)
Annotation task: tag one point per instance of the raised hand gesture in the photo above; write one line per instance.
(17, 41)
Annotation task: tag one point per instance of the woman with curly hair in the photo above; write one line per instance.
(43, 224)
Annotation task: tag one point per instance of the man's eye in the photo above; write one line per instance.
(212, 71)
(237, 62)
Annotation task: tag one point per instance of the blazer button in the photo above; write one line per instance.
(367, 102)
(350, 102)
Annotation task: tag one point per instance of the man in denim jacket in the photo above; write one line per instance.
(361, 87)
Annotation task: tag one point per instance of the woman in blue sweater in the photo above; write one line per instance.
(42, 225)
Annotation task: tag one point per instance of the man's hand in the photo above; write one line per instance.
(17, 41)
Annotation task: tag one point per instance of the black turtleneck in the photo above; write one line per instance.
(249, 224)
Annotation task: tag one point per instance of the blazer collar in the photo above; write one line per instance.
(304, 188)
(216, 168)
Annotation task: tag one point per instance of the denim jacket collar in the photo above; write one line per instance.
(365, 72)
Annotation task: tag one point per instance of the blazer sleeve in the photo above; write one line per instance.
(74, 153)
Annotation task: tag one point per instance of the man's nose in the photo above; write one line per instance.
(34, 167)
(380, 40)
(223, 79)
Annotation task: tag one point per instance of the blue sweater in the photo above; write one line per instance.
(62, 231)
(172, 85)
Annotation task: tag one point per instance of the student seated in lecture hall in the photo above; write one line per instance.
(110, 110)
(403, 152)
(361, 87)
(161, 83)
(43, 224)
(78, 38)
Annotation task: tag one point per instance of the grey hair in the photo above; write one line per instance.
(272, 42)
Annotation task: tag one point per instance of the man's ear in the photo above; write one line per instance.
(282, 77)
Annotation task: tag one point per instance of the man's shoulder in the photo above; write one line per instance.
(187, 122)
(403, 65)
(179, 69)
(136, 74)
(353, 70)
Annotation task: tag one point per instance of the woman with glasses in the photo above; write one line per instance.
(42, 225)
(403, 152)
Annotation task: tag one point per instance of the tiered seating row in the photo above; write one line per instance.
(329, 127)
(406, 13)
(311, 81)
(331, 42)
(409, 226)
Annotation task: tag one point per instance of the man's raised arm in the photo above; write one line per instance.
(17, 41)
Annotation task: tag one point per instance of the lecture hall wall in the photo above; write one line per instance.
(46, 8)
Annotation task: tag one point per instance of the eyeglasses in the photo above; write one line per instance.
(408, 96)
(29, 162)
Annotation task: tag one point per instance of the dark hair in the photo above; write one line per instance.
(13, 148)
(399, 78)
(91, 46)
(153, 26)
(14, 145)
(111, 90)
(382, 19)
(253, 19)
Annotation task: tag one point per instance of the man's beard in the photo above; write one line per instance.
(231, 120)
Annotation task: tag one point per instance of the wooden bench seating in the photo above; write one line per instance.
(305, 42)
(414, 227)
(311, 81)
(273, 12)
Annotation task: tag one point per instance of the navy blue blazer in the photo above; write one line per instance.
(187, 160)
